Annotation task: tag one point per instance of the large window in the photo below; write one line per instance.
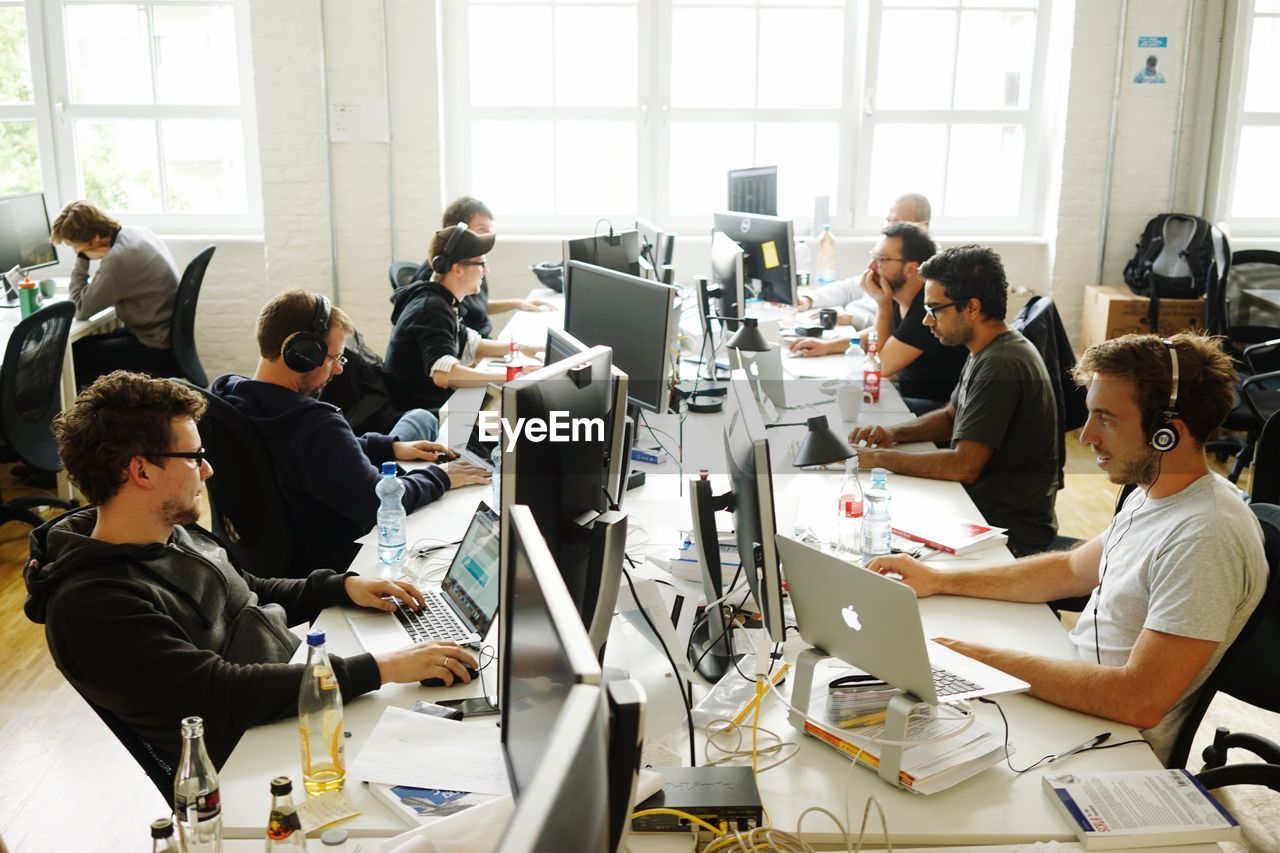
(1252, 185)
(144, 108)
(561, 111)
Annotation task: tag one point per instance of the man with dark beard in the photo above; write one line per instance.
(326, 472)
(925, 369)
(143, 611)
(1176, 574)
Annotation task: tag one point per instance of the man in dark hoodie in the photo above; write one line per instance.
(326, 472)
(432, 350)
(143, 610)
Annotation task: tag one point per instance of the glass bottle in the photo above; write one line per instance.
(162, 838)
(284, 829)
(849, 511)
(320, 721)
(197, 802)
(871, 367)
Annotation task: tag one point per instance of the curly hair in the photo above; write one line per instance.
(971, 272)
(118, 417)
(81, 222)
(1206, 377)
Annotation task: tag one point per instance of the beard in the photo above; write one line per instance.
(178, 514)
(1141, 468)
(896, 284)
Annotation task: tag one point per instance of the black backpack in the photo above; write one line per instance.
(1175, 259)
(364, 390)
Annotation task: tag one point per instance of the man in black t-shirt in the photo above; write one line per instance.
(926, 370)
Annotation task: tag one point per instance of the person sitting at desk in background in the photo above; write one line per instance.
(432, 351)
(144, 612)
(926, 369)
(1183, 553)
(860, 307)
(477, 307)
(135, 274)
(1002, 417)
(326, 473)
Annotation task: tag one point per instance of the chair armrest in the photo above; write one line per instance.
(1265, 380)
(1254, 351)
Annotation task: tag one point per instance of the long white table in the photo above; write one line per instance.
(994, 807)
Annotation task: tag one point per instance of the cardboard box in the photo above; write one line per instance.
(1111, 311)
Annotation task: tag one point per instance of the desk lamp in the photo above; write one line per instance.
(821, 446)
(748, 337)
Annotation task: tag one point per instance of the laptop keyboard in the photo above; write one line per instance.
(947, 683)
(435, 621)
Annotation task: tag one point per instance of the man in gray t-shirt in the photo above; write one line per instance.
(1001, 419)
(1173, 578)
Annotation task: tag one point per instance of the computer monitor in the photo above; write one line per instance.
(657, 250)
(620, 251)
(630, 315)
(754, 190)
(750, 499)
(728, 288)
(560, 464)
(769, 245)
(24, 233)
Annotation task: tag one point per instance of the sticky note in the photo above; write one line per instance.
(770, 250)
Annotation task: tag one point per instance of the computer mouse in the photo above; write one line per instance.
(793, 353)
(439, 682)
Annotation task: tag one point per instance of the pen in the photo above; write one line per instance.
(1089, 744)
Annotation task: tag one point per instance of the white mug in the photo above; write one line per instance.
(850, 398)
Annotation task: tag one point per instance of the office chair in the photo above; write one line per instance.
(248, 508)
(1249, 669)
(30, 395)
(182, 328)
(156, 768)
(401, 273)
(1266, 464)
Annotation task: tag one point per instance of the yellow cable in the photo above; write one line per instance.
(677, 813)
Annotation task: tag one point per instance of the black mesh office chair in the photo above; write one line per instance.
(30, 386)
(401, 273)
(182, 328)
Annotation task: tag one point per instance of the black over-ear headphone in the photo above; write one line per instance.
(1163, 436)
(443, 261)
(303, 352)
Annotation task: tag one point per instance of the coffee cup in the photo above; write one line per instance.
(850, 397)
(48, 287)
(827, 318)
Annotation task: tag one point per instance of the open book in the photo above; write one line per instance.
(952, 535)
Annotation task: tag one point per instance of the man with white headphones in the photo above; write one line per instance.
(1173, 578)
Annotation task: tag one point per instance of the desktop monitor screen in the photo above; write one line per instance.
(561, 345)
(727, 277)
(769, 245)
(633, 317)
(620, 252)
(24, 233)
(754, 190)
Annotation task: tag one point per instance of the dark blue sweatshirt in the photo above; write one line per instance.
(326, 472)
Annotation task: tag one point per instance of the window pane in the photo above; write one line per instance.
(702, 153)
(984, 170)
(996, 54)
(1261, 93)
(509, 165)
(15, 63)
(20, 156)
(119, 164)
(196, 54)
(801, 53)
(204, 166)
(596, 167)
(711, 63)
(511, 56)
(1272, 6)
(1006, 4)
(920, 78)
(807, 155)
(1257, 180)
(596, 63)
(107, 54)
(905, 158)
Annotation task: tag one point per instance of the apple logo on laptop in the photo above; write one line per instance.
(851, 617)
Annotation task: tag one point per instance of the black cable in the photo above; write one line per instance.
(645, 421)
(1106, 558)
(989, 701)
(684, 694)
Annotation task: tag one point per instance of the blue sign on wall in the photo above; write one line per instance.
(1153, 41)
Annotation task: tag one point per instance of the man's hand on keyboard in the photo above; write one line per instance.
(462, 474)
(427, 451)
(376, 592)
(445, 661)
(915, 574)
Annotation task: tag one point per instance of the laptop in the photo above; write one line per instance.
(873, 622)
(461, 609)
(476, 452)
(783, 390)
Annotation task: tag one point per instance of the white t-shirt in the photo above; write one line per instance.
(1191, 565)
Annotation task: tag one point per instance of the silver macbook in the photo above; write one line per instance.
(873, 622)
(784, 391)
(461, 609)
(477, 452)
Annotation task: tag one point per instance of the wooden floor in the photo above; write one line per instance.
(67, 785)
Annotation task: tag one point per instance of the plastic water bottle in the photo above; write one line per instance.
(853, 358)
(849, 510)
(871, 368)
(804, 259)
(877, 526)
(495, 479)
(826, 262)
(391, 515)
(320, 721)
(197, 801)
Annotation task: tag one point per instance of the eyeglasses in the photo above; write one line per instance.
(473, 263)
(198, 455)
(932, 310)
(340, 359)
(881, 259)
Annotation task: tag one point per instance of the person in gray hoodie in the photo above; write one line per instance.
(144, 612)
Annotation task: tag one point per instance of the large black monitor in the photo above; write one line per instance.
(632, 316)
(769, 246)
(750, 499)
(24, 233)
(727, 279)
(560, 465)
(657, 250)
(620, 251)
(754, 190)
